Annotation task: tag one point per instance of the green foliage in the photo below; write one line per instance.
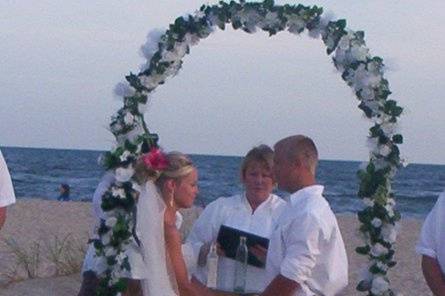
(362, 250)
(398, 139)
(363, 286)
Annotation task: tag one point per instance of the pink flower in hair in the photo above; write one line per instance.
(155, 159)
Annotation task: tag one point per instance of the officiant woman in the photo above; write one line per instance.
(253, 210)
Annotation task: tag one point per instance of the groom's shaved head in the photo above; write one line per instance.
(300, 148)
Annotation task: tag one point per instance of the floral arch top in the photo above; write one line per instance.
(164, 51)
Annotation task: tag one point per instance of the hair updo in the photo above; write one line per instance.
(178, 165)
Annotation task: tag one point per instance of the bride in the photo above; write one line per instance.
(158, 266)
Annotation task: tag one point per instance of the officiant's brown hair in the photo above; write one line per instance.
(261, 154)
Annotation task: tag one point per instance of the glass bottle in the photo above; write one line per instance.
(212, 267)
(241, 256)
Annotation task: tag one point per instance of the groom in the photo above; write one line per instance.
(306, 254)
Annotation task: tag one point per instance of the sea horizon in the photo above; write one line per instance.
(208, 154)
(39, 175)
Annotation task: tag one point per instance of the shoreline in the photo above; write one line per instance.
(33, 220)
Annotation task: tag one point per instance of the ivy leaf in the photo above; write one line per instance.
(268, 4)
(398, 139)
(363, 286)
(365, 109)
(363, 250)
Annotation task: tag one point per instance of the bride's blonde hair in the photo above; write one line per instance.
(178, 165)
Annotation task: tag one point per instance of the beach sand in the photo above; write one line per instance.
(32, 220)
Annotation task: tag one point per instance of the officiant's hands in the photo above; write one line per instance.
(259, 252)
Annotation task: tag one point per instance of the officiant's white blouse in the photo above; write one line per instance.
(7, 196)
(432, 236)
(307, 246)
(236, 212)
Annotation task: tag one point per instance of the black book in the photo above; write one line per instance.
(229, 238)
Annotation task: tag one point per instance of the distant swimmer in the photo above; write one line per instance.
(64, 192)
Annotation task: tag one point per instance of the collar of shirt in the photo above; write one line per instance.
(306, 192)
(245, 203)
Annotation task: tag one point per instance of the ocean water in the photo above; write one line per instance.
(38, 173)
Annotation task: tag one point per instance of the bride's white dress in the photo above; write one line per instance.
(148, 262)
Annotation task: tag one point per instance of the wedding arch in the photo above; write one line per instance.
(364, 73)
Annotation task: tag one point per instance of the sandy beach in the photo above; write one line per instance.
(51, 224)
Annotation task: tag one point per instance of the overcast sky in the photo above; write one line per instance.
(59, 62)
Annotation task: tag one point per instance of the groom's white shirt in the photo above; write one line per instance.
(307, 247)
(7, 196)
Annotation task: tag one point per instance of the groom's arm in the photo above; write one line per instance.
(280, 283)
(2, 216)
(433, 275)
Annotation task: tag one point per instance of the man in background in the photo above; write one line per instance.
(431, 246)
(7, 196)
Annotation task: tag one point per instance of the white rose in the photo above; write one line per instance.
(380, 164)
(116, 127)
(191, 39)
(379, 285)
(129, 118)
(136, 186)
(125, 155)
(148, 81)
(384, 150)
(390, 210)
(110, 222)
(368, 202)
(376, 222)
(365, 274)
(106, 237)
(344, 42)
(110, 252)
(100, 264)
(372, 144)
(131, 135)
(124, 174)
(389, 233)
(118, 192)
(381, 266)
(378, 250)
(389, 128)
(123, 89)
(367, 93)
(142, 108)
(359, 53)
(151, 46)
(391, 202)
(199, 14)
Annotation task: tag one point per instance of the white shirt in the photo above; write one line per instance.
(236, 212)
(7, 196)
(307, 247)
(432, 237)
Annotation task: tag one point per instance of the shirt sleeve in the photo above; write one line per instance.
(302, 247)
(7, 196)
(427, 244)
(103, 186)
